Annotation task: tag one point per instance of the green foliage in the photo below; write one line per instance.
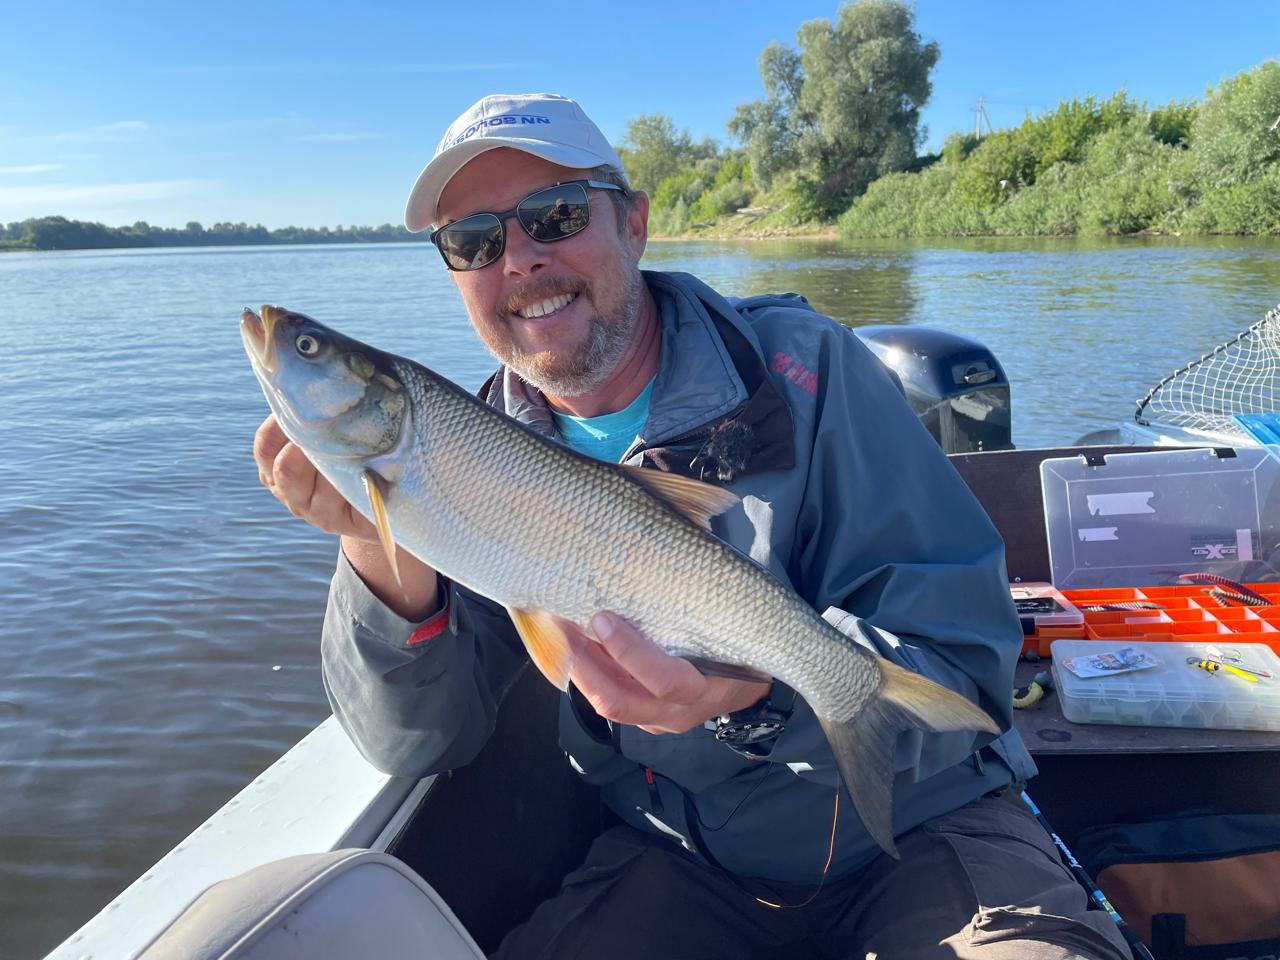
(957, 147)
(1251, 208)
(1099, 167)
(59, 233)
(1125, 186)
(1127, 181)
(730, 191)
(1172, 123)
(1233, 137)
(900, 204)
(844, 108)
(999, 166)
(711, 187)
(652, 150)
(1064, 134)
(683, 185)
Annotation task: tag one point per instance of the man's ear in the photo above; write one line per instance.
(638, 223)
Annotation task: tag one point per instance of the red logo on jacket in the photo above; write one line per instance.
(795, 371)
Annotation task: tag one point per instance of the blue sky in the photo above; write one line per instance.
(314, 114)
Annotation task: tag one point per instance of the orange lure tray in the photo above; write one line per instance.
(1187, 613)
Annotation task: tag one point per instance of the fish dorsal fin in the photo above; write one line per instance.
(696, 500)
(378, 504)
(548, 645)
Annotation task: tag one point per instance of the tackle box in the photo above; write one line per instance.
(1185, 612)
(1046, 615)
(1140, 519)
(1174, 693)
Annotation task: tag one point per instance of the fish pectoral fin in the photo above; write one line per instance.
(732, 671)
(548, 644)
(378, 504)
(696, 500)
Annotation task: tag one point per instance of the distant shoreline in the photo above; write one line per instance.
(211, 246)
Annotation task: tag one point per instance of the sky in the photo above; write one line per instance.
(313, 114)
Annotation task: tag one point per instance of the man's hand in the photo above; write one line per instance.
(285, 470)
(627, 678)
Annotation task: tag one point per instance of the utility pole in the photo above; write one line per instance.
(980, 114)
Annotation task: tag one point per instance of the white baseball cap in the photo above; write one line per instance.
(544, 124)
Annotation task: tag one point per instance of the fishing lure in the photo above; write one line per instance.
(1120, 605)
(1232, 589)
(1230, 598)
(1213, 666)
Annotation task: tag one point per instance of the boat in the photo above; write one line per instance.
(493, 839)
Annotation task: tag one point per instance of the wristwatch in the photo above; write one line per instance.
(752, 732)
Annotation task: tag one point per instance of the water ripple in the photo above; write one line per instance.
(151, 587)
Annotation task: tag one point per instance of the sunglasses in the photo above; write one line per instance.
(551, 214)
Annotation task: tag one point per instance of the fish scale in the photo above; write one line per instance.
(553, 535)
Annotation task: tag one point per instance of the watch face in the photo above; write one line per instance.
(748, 731)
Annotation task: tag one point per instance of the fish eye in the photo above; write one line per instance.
(307, 344)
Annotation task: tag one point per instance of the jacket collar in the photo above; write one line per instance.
(714, 414)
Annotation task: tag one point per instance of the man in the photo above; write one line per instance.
(725, 786)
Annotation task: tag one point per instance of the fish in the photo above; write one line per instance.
(555, 536)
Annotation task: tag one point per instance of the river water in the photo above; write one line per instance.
(158, 644)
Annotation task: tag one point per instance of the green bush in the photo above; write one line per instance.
(1172, 123)
(726, 198)
(1000, 165)
(684, 185)
(911, 205)
(1050, 207)
(1251, 208)
(1063, 135)
(1232, 138)
(957, 147)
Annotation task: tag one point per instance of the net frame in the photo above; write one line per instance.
(1239, 376)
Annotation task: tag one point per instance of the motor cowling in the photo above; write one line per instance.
(955, 385)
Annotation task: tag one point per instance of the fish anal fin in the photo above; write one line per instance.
(548, 644)
(694, 499)
(378, 504)
(864, 746)
(731, 671)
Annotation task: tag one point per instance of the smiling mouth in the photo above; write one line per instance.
(545, 308)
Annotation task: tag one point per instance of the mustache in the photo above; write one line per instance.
(537, 290)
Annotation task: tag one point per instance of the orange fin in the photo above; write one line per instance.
(696, 500)
(544, 637)
(377, 503)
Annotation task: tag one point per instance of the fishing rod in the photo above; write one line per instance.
(1082, 877)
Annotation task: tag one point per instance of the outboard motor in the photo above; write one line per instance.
(955, 385)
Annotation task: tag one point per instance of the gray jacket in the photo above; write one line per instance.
(845, 497)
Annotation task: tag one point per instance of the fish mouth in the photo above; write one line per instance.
(257, 335)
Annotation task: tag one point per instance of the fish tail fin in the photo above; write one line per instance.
(864, 747)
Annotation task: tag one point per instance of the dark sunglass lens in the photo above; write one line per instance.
(555, 213)
(472, 242)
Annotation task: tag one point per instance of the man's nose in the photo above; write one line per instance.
(523, 255)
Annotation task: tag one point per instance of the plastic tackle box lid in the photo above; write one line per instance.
(1141, 519)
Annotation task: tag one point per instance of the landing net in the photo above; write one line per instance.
(1240, 376)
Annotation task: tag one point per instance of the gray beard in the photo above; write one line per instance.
(592, 365)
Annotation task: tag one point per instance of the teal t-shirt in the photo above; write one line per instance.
(608, 436)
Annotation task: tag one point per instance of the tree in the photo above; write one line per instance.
(845, 107)
(652, 150)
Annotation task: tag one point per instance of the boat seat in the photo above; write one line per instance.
(342, 905)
